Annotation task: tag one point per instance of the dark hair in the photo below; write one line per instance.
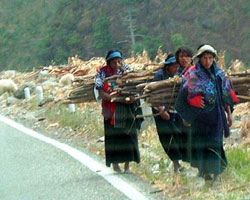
(185, 50)
(110, 52)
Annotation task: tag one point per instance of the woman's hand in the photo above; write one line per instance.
(125, 100)
(119, 66)
(164, 114)
(186, 124)
(130, 100)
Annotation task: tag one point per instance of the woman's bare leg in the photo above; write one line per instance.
(116, 167)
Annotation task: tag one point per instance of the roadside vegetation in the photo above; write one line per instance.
(155, 167)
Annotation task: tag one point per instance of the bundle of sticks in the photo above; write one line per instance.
(135, 85)
(164, 93)
(161, 93)
(83, 90)
(241, 84)
(124, 87)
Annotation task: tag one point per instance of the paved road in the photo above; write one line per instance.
(31, 169)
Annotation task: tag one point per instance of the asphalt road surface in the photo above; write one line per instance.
(35, 167)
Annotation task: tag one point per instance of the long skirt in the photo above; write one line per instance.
(208, 154)
(170, 136)
(186, 141)
(120, 146)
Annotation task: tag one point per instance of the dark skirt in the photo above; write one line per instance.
(208, 154)
(186, 141)
(120, 146)
(173, 140)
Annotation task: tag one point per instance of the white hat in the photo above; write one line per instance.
(204, 48)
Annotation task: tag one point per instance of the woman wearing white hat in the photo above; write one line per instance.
(204, 97)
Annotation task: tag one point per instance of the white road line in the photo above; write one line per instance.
(89, 162)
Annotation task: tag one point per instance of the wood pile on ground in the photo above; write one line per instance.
(76, 66)
(79, 67)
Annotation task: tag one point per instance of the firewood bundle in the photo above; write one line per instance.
(161, 93)
(138, 85)
(126, 85)
(241, 84)
(83, 90)
(164, 93)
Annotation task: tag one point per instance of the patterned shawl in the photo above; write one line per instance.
(199, 81)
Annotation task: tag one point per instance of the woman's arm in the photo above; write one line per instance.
(229, 116)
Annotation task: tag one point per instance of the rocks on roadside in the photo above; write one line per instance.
(11, 101)
(19, 93)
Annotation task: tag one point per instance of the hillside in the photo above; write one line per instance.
(43, 32)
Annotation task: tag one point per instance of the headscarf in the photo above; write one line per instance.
(115, 54)
(170, 61)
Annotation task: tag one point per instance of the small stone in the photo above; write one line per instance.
(145, 145)
(11, 100)
(101, 139)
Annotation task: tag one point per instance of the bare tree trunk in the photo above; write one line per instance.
(131, 27)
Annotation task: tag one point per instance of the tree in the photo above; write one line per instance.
(102, 36)
(178, 40)
(149, 43)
